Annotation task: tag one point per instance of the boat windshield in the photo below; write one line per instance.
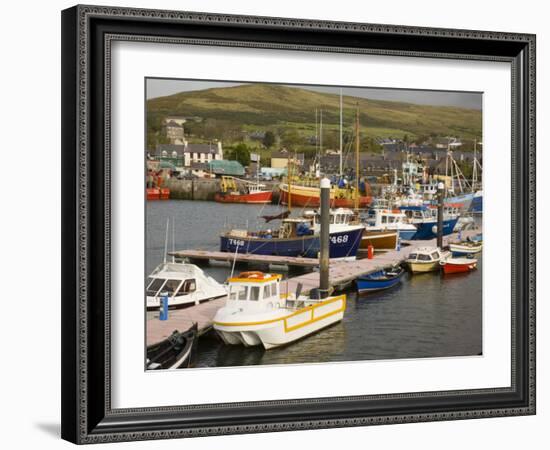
(424, 258)
(154, 285)
(413, 256)
(187, 287)
(171, 286)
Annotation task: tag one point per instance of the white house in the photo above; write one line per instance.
(191, 153)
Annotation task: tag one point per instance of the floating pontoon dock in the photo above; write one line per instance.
(342, 273)
(204, 255)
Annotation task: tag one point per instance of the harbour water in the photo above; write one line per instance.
(427, 315)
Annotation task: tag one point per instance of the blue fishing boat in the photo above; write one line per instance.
(381, 280)
(297, 237)
(426, 222)
(477, 202)
(463, 201)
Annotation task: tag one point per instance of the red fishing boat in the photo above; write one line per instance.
(153, 193)
(311, 197)
(251, 192)
(154, 190)
(156, 193)
(458, 265)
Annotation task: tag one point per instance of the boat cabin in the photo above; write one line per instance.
(384, 218)
(339, 216)
(254, 188)
(174, 279)
(254, 290)
(425, 254)
(295, 227)
(415, 212)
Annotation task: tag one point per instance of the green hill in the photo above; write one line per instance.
(228, 112)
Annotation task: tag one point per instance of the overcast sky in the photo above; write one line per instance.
(164, 87)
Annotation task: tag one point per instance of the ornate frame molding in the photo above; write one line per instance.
(80, 419)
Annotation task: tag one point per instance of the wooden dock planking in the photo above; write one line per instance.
(183, 319)
(340, 273)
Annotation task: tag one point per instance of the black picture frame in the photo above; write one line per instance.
(87, 32)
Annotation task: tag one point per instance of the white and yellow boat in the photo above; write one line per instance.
(425, 259)
(257, 314)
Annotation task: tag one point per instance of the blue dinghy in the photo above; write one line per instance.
(377, 281)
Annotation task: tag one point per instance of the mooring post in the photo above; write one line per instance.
(440, 200)
(163, 313)
(324, 237)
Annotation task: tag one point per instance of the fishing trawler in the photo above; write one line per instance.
(252, 192)
(477, 202)
(389, 220)
(307, 196)
(298, 236)
(425, 220)
(342, 195)
(256, 313)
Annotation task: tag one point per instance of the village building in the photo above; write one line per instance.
(186, 154)
(280, 159)
(174, 130)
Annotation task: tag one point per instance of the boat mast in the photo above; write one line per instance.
(320, 140)
(166, 238)
(341, 137)
(474, 173)
(173, 240)
(289, 203)
(447, 166)
(357, 158)
(315, 162)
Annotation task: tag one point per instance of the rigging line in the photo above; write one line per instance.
(166, 239)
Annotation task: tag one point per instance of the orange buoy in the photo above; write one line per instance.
(370, 251)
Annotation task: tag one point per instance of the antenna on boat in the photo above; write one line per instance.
(166, 239)
(357, 159)
(173, 240)
(320, 139)
(234, 260)
(341, 137)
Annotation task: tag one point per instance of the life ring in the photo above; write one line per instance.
(252, 274)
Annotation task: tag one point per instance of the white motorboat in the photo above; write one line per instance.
(425, 259)
(184, 284)
(387, 219)
(257, 314)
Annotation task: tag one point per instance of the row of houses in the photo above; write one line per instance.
(207, 159)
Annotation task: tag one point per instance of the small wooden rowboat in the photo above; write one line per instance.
(175, 352)
(381, 280)
(465, 247)
(458, 265)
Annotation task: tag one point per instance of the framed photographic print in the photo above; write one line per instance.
(280, 224)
